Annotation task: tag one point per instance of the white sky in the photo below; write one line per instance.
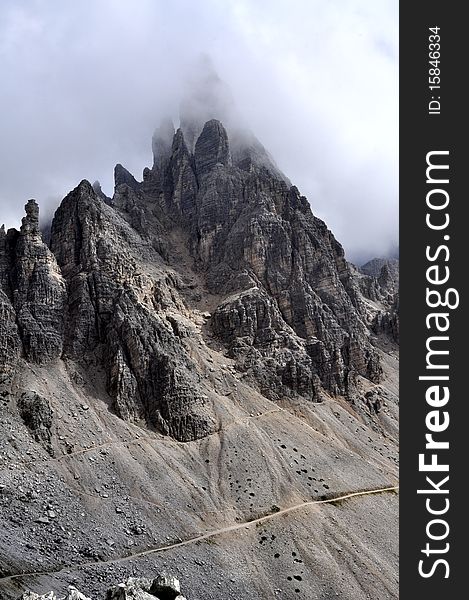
(85, 83)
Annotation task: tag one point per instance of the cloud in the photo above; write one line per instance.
(85, 83)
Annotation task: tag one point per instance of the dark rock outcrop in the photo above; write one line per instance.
(211, 148)
(99, 192)
(386, 322)
(37, 416)
(123, 177)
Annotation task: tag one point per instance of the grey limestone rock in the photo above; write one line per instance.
(38, 292)
(135, 588)
(163, 587)
(32, 286)
(37, 415)
(211, 148)
(99, 192)
(72, 594)
(116, 310)
(10, 344)
(122, 176)
(380, 283)
(33, 596)
(374, 266)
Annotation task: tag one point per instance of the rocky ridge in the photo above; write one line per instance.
(381, 285)
(290, 310)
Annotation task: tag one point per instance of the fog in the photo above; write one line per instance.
(84, 84)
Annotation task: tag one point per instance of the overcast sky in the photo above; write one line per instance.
(83, 85)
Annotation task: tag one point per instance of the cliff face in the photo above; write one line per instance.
(381, 285)
(121, 316)
(32, 298)
(285, 304)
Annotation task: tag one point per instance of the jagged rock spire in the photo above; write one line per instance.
(36, 288)
(30, 223)
(121, 175)
(99, 192)
(212, 147)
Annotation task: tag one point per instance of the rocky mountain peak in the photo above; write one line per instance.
(179, 146)
(30, 222)
(122, 176)
(99, 192)
(212, 148)
(374, 266)
(33, 295)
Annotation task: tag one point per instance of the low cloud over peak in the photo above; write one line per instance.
(85, 85)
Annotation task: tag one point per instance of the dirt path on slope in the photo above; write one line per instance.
(205, 536)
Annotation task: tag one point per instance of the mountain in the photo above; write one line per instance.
(194, 379)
